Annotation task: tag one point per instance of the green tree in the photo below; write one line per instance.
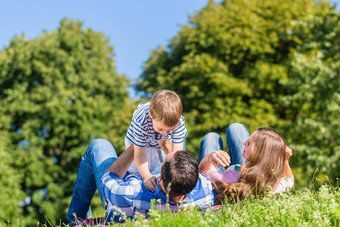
(58, 92)
(315, 67)
(237, 61)
(11, 194)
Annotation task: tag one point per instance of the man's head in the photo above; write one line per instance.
(165, 110)
(179, 173)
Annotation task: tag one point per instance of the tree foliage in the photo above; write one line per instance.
(315, 67)
(261, 63)
(10, 191)
(57, 93)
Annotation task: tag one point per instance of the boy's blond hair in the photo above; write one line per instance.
(166, 106)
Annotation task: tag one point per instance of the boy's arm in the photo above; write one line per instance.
(165, 145)
(177, 146)
(143, 168)
(168, 147)
(179, 135)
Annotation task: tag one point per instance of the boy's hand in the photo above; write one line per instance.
(150, 183)
(165, 145)
(219, 158)
(289, 152)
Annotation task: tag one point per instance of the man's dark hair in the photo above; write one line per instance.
(180, 173)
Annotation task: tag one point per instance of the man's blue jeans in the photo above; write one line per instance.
(236, 134)
(98, 157)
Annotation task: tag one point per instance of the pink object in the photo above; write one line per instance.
(229, 176)
(232, 176)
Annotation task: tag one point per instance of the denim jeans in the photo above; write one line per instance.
(236, 134)
(98, 157)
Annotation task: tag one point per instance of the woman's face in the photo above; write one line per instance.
(246, 151)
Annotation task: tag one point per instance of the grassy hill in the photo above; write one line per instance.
(299, 207)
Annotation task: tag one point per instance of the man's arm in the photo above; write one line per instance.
(179, 136)
(121, 192)
(121, 165)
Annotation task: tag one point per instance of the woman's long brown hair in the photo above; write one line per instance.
(261, 172)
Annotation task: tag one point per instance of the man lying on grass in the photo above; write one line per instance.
(100, 168)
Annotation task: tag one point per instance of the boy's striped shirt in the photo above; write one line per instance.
(142, 134)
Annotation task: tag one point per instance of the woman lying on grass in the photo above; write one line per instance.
(259, 163)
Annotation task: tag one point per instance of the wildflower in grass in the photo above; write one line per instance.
(167, 192)
(326, 220)
(203, 222)
(75, 217)
(324, 192)
(155, 214)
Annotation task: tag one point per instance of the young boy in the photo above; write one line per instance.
(153, 126)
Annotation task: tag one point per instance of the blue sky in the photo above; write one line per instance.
(134, 27)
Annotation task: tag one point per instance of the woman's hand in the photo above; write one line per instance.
(289, 152)
(287, 171)
(219, 158)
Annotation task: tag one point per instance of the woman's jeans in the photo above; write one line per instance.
(236, 134)
(97, 159)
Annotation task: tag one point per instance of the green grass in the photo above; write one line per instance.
(302, 207)
(296, 208)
